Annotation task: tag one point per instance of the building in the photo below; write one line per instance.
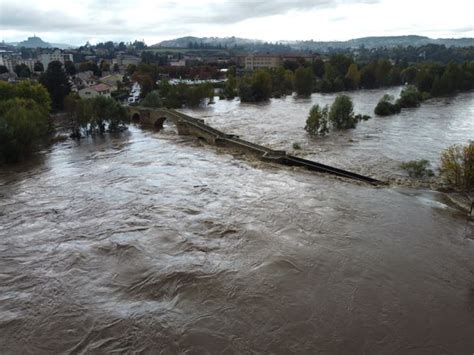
(257, 61)
(111, 80)
(124, 61)
(56, 55)
(11, 60)
(94, 91)
(85, 79)
(178, 63)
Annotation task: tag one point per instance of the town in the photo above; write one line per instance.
(106, 68)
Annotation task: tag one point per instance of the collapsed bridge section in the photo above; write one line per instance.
(188, 125)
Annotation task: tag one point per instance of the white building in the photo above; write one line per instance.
(10, 61)
(56, 55)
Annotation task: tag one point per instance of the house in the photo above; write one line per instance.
(95, 91)
(111, 80)
(85, 79)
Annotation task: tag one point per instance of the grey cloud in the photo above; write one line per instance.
(228, 12)
(16, 17)
(110, 18)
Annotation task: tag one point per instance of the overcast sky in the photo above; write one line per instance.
(75, 22)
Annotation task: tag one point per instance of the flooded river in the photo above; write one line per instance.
(153, 243)
(376, 147)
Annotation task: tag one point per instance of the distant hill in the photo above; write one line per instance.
(367, 42)
(387, 41)
(183, 42)
(36, 42)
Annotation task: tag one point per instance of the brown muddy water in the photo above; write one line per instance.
(153, 243)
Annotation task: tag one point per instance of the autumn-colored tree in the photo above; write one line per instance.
(352, 77)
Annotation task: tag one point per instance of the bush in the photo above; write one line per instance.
(418, 169)
(457, 166)
(317, 122)
(296, 146)
(386, 107)
(341, 114)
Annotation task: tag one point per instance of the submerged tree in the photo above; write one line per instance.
(317, 122)
(341, 114)
(22, 123)
(386, 106)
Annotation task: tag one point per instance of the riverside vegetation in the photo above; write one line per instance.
(339, 116)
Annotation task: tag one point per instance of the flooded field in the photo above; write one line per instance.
(153, 243)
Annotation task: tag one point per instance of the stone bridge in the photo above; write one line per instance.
(187, 125)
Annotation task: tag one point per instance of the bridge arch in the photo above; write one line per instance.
(155, 118)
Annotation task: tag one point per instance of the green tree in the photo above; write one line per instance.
(257, 87)
(22, 123)
(27, 89)
(3, 69)
(341, 114)
(340, 63)
(289, 82)
(230, 88)
(153, 99)
(104, 66)
(408, 75)
(304, 81)
(261, 85)
(38, 67)
(318, 67)
(86, 66)
(22, 71)
(56, 82)
(317, 121)
(70, 68)
(382, 72)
